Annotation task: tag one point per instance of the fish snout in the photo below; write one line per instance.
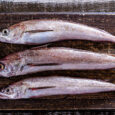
(4, 96)
(3, 74)
(5, 39)
(2, 39)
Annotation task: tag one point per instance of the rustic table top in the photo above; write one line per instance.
(105, 21)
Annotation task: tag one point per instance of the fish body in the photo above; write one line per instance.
(55, 85)
(43, 59)
(45, 31)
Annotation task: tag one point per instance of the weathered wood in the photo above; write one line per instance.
(87, 101)
(57, 6)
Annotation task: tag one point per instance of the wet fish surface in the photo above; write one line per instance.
(45, 31)
(53, 85)
(55, 58)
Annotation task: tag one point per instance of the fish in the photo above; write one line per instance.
(53, 85)
(37, 32)
(40, 59)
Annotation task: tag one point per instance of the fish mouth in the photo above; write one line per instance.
(5, 96)
(4, 38)
(1, 37)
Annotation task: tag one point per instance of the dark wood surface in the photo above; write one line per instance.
(74, 6)
(100, 15)
(63, 102)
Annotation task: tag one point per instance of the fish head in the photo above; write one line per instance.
(15, 91)
(10, 66)
(12, 34)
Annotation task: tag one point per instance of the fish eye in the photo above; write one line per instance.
(7, 90)
(5, 32)
(2, 66)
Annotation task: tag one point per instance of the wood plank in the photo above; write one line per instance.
(73, 102)
(57, 6)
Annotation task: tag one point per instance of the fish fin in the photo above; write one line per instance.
(40, 47)
(44, 87)
(34, 65)
(44, 64)
(36, 31)
(21, 69)
(103, 31)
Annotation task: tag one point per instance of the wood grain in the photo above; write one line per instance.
(63, 102)
(74, 6)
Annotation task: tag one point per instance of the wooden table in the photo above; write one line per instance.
(106, 21)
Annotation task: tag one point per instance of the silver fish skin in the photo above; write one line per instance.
(45, 31)
(53, 85)
(55, 58)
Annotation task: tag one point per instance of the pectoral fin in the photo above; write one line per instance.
(36, 31)
(45, 87)
(33, 65)
(44, 64)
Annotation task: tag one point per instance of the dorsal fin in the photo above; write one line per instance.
(40, 47)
